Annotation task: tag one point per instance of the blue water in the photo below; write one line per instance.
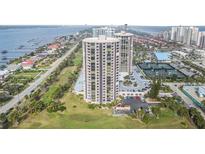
(29, 37)
(162, 55)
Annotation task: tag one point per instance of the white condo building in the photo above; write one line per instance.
(107, 31)
(201, 40)
(126, 51)
(185, 35)
(195, 32)
(101, 57)
(174, 33)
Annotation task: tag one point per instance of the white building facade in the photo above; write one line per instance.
(101, 57)
(126, 52)
(107, 31)
(201, 40)
(184, 34)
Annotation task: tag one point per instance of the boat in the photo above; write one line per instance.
(4, 58)
(20, 47)
(4, 51)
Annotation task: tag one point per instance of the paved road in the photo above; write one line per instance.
(188, 102)
(36, 83)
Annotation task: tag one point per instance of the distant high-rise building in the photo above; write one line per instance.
(125, 27)
(188, 37)
(178, 33)
(101, 56)
(195, 32)
(126, 51)
(174, 34)
(166, 35)
(184, 34)
(201, 40)
(107, 31)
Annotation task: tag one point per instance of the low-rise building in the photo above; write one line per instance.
(187, 72)
(53, 47)
(180, 54)
(201, 91)
(129, 105)
(27, 64)
(13, 67)
(3, 75)
(42, 54)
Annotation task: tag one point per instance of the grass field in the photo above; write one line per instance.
(30, 74)
(77, 114)
(78, 58)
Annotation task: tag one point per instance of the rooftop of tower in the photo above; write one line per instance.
(100, 39)
(123, 33)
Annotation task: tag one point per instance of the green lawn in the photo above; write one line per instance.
(78, 115)
(78, 58)
(27, 74)
(61, 81)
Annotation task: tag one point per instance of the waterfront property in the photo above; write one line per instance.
(27, 64)
(3, 75)
(161, 70)
(16, 41)
(162, 57)
(13, 67)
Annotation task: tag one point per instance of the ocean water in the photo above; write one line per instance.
(19, 40)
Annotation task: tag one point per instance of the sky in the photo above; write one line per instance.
(102, 12)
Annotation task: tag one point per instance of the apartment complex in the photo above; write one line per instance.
(187, 35)
(101, 57)
(107, 31)
(201, 40)
(126, 51)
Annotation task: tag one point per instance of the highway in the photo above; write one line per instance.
(14, 102)
(186, 99)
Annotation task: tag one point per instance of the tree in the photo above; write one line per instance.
(156, 111)
(13, 116)
(140, 114)
(182, 111)
(56, 106)
(155, 89)
(197, 118)
(146, 118)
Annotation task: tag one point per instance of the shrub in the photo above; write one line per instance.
(56, 106)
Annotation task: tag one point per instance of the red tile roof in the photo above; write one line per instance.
(54, 46)
(27, 62)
